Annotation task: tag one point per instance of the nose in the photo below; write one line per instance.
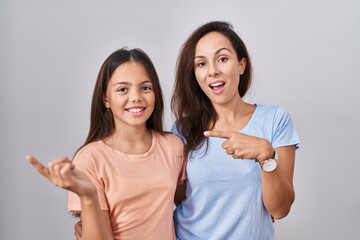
(136, 96)
(213, 71)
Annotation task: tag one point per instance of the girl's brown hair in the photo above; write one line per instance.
(101, 120)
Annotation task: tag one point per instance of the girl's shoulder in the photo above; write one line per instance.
(168, 139)
(90, 147)
(89, 151)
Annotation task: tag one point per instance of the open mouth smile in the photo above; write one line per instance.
(217, 86)
(135, 110)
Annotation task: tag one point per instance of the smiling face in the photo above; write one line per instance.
(130, 95)
(217, 68)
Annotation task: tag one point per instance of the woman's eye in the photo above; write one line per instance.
(200, 64)
(223, 59)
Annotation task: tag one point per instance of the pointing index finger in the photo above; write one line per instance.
(219, 134)
(38, 166)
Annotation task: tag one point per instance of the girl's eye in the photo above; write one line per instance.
(122, 90)
(223, 59)
(146, 88)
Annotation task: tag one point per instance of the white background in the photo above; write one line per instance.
(306, 58)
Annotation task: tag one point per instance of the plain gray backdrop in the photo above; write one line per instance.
(306, 58)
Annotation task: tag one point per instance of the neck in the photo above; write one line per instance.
(234, 115)
(230, 109)
(131, 134)
(130, 140)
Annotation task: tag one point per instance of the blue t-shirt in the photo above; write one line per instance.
(223, 195)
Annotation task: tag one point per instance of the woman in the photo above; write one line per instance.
(240, 155)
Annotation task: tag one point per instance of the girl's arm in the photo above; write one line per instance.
(95, 222)
(62, 173)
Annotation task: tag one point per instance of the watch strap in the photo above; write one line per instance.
(276, 156)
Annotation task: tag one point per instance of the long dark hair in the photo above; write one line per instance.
(193, 110)
(101, 121)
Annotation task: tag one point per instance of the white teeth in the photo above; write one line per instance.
(217, 84)
(135, 110)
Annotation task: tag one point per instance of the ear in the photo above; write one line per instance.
(242, 66)
(106, 101)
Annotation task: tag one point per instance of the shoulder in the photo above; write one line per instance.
(169, 143)
(90, 147)
(268, 107)
(274, 111)
(280, 125)
(169, 139)
(89, 152)
(175, 129)
(270, 118)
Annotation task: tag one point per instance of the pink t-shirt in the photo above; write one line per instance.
(137, 190)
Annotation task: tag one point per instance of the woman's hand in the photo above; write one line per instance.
(62, 173)
(240, 145)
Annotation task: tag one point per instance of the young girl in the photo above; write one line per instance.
(240, 171)
(123, 179)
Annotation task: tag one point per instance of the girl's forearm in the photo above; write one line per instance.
(95, 222)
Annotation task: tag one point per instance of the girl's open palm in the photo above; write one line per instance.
(62, 173)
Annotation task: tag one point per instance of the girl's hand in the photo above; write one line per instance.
(240, 145)
(78, 230)
(62, 173)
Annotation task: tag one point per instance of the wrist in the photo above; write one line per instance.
(89, 202)
(86, 191)
(270, 164)
(89, 197)
(266, 152)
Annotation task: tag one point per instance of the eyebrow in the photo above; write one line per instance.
(129, 84)
(216, 52)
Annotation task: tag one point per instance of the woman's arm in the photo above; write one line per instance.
(62, 173)
(277, 186)
(180, 194)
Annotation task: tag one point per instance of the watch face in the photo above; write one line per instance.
(269, 165)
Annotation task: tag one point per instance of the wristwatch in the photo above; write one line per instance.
(270, 164)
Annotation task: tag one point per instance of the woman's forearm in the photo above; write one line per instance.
(278, 194)
(277, 186)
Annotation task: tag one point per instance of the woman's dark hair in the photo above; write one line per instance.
(101, 120)
(193, 110)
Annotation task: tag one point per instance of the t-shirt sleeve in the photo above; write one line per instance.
(284, 133)
(182, 175)
(175, 130)
(85, 162)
